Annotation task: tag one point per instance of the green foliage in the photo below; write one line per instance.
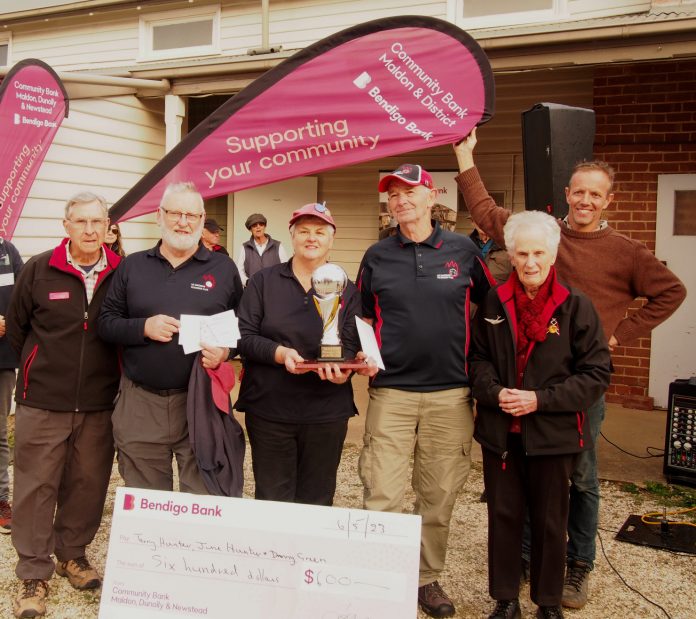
(630, 488)
(672, 498)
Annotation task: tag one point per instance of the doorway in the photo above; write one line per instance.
(673, 348)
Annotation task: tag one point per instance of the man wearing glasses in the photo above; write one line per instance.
(141, 312)
(67, 382)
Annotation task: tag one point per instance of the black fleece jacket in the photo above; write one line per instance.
(568, 371)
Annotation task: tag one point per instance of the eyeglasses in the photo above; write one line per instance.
(84, 223)
(175, 216)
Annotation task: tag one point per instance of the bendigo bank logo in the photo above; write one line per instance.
(129, 504)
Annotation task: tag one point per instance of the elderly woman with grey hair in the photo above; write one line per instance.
(539, 359)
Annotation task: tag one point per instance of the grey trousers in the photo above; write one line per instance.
(8, 379)
(63, 463)
(149, 431)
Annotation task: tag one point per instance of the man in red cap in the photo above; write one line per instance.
(416, 289)
(260, 251)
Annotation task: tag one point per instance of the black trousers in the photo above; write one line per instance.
(540, 484)
(295, 462)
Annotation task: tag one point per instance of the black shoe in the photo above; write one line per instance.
(549, 612)
(524, 573)
(506, 609)
(484, 497)
(434, 601)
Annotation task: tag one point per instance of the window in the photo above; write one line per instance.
(685, 212)
(495, 13)
(483, 8)
(178, 34)
(4, 49)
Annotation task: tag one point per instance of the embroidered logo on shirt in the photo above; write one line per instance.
(208, 283)
(452, 271)
(554, 328)
(58, 296)
(495, 321)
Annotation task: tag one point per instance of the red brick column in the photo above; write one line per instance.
(646, 125)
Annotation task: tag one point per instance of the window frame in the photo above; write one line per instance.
(6, 39)
(148, 22)
(559, 11)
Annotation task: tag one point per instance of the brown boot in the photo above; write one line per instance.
(31, 599)
(434, 601)
(79, 572)
(576, 585)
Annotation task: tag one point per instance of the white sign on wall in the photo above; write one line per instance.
(217, 557)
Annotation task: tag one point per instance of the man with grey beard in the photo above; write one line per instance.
(141, 312)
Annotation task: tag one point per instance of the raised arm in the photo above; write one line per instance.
(484, 211)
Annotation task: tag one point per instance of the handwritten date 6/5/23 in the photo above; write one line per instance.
(361, 525)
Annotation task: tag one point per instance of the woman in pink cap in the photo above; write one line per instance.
(296, 418)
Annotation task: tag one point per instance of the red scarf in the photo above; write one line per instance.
(530, 327)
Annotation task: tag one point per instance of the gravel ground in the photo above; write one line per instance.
(665, 578)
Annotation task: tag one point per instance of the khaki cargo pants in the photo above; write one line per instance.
(436, 427)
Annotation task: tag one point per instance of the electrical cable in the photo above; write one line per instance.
(628, 453)
(664, 515)
(623, 580)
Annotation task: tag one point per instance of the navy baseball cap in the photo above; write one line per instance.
(409, 173)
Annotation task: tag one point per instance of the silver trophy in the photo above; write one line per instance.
(329, 281)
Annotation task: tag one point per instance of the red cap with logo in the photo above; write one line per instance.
(409, 173)
(313, 210)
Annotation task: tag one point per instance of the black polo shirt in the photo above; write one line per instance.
(418, 295)
(146, 284)
(275, 310)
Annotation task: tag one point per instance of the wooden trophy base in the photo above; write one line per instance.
(348, 364)
(333, 355)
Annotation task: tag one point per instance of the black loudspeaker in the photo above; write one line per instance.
(554, 138)
(680, 433)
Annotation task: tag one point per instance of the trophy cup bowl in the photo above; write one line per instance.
(329, 282)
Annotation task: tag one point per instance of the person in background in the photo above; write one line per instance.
(113, 240)
(494, 256)
(533, 373)
(141, 313)
(612, 270)
(211, 236)
(64, 447)
(10, 266)
(260, 251)
(296, 419)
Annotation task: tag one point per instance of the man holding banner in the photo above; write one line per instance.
(416, 287)
(612, 270)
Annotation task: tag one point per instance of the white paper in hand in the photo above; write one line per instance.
(218, 330)
(368, 342)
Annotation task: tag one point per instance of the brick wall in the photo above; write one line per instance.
(646, 125)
